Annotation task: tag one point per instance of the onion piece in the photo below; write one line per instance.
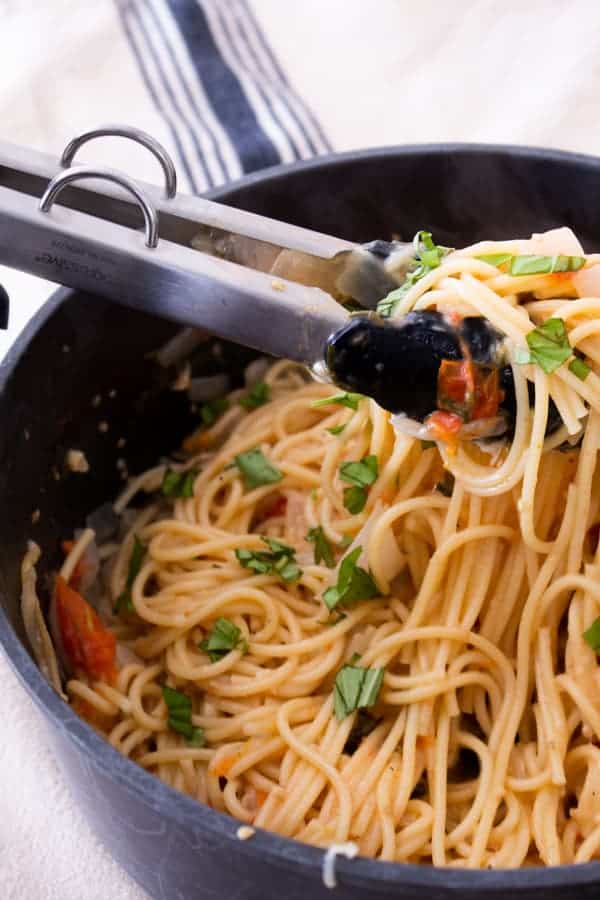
(180, 346)
(33, 620)
(256, 371)
(208, 387)
(587, 281)
(104, 522)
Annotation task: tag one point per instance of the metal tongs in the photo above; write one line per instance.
(272, 286)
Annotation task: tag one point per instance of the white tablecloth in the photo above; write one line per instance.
(391, 71)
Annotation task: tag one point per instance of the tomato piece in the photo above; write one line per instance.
(488, 395)
(456, 386)
(445, 426)
(89, 645)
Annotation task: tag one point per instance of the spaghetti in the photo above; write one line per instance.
(323, 634)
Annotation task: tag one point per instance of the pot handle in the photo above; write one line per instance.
(68, 176)
(133, 134)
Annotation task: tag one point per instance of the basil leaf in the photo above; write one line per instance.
(549, 345)
(545, 265)
(592, 635)
(257, 396)
(179, 484)
(428, 256)
(353, 583)
(224, 637)
(124, 601)
(180, 716)
(342, 399)
(256, 469)
(362, 473)
(337, 429)
(212, 410)
(323, 551)
(355, 688)
(346, 540)
(280, 561)
(363, 726)
(579, 368)
(427, 445)
(495, 259)
(355, 499)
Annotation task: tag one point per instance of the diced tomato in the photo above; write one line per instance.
(276, 508)
(445, 426)
(79, 570)
(488, 395)
(468, 389)
(89, 645)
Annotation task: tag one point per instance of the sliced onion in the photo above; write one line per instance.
(256, 371)
(180, 346)
(587, 281)
(43, 648)
(555, 242)
(208, 387)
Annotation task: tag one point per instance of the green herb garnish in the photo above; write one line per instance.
(337, 429)
(428, 256)
(363, 726)
(353, 583)
(427, 445)
(592, 635)
(280, 561)
(180, 716)
(532, 264)
(548, 345)
(355, 688)
(257, 396)
(323, 551)
(212, 410)
(179, 484)
(256, 469)
(579, 368)
(224, 637)
(360, 475)
(342, 399)
(124, 602)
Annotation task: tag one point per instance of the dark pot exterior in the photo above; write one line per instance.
(80, 346)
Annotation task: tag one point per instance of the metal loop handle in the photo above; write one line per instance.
(134, 134)
(78, 172)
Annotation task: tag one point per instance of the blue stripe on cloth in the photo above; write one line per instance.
(214, 146)
(223, 89)
(170, 91)
(308, 116)
(249, 73)
(139, 57)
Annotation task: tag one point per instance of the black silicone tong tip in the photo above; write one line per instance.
(398, 363)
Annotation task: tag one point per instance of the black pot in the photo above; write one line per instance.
(79, 346)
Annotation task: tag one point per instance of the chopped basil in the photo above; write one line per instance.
(495, 259)
(180, 716)
(346, 540)
(533, 264)
(256, 469)
(323, 551)
(428, 256)
(355, 499)
(280, 561)
(342, 399)
(337, 429)
(225, 636)
(353, 583)
(355, 688)
(579, 368)
(257, 396)
(124, 602)
(179, 484)
(592, 635)
(212, 410)
(362, 473)
(446, 485)
(363, 726)
(549, 345)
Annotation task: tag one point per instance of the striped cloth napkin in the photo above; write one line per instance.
(231, 86)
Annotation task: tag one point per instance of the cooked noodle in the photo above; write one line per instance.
(483, 744)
